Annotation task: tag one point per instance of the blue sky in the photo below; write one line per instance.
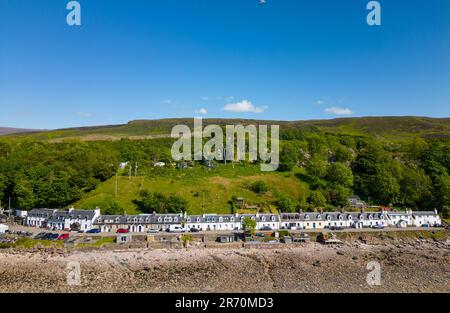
(287, 59)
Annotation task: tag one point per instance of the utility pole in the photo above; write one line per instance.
(129, 175)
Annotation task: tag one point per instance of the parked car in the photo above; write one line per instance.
(336, 228)
(40, 235)
(51, 236)
(378, 226)
(194, 230)
(260, 235)
(448, 227)
(153, 231)
(266, 228)
(122, 231)
(425, 225)
(438, 225)
(63, 236)
(94, 231)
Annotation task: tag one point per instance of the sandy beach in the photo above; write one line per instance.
(406, 266)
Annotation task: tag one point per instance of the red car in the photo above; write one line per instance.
(63, 237)
(122, 231)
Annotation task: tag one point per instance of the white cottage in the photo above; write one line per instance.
(39, 217)
(77, 220)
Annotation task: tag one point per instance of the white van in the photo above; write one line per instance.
(176, 229)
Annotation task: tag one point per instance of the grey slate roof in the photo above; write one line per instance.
(139, 219)
(211, 218)
(60, 216)
(334, 216)
(43, 213)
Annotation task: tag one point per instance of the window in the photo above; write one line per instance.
(307, 217)
(188, 219)
(263, 218)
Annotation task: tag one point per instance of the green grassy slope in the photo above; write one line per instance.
(218, 186)
(402, 127)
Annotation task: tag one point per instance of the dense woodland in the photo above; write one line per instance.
(412, 173)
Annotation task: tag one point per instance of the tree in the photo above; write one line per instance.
(385, 187)
(176, 204)
(415, 187)
(114, 208)
(316, 167)
(24, 194)
(338, 174)
(343, 154)
(442, 191)
(317, 199)
(339, 196)
(249, 225)
(286, 204)
(259, 187)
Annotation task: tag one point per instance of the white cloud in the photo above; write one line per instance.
(84, 115)
(205, 98)
(201, 111)
(244, 106)
(338, 111)
(168, 101)
(320, 102)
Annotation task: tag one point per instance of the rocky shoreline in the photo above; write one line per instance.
(406, 266)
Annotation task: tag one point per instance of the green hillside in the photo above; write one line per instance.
(387, 127)
(213, 188)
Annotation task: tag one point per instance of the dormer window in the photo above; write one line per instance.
(329, 217)
(341, 217)
(307, 217)
(350, 217)
(232, 219)
(370, 217)
(160, 219)
(221, 219)
(263, 218)
(318, 216)
(175, 219)
(253, 217)
(188, 220)
(198, 219)
(361, 217)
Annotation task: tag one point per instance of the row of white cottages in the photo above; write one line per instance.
(85, 220)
